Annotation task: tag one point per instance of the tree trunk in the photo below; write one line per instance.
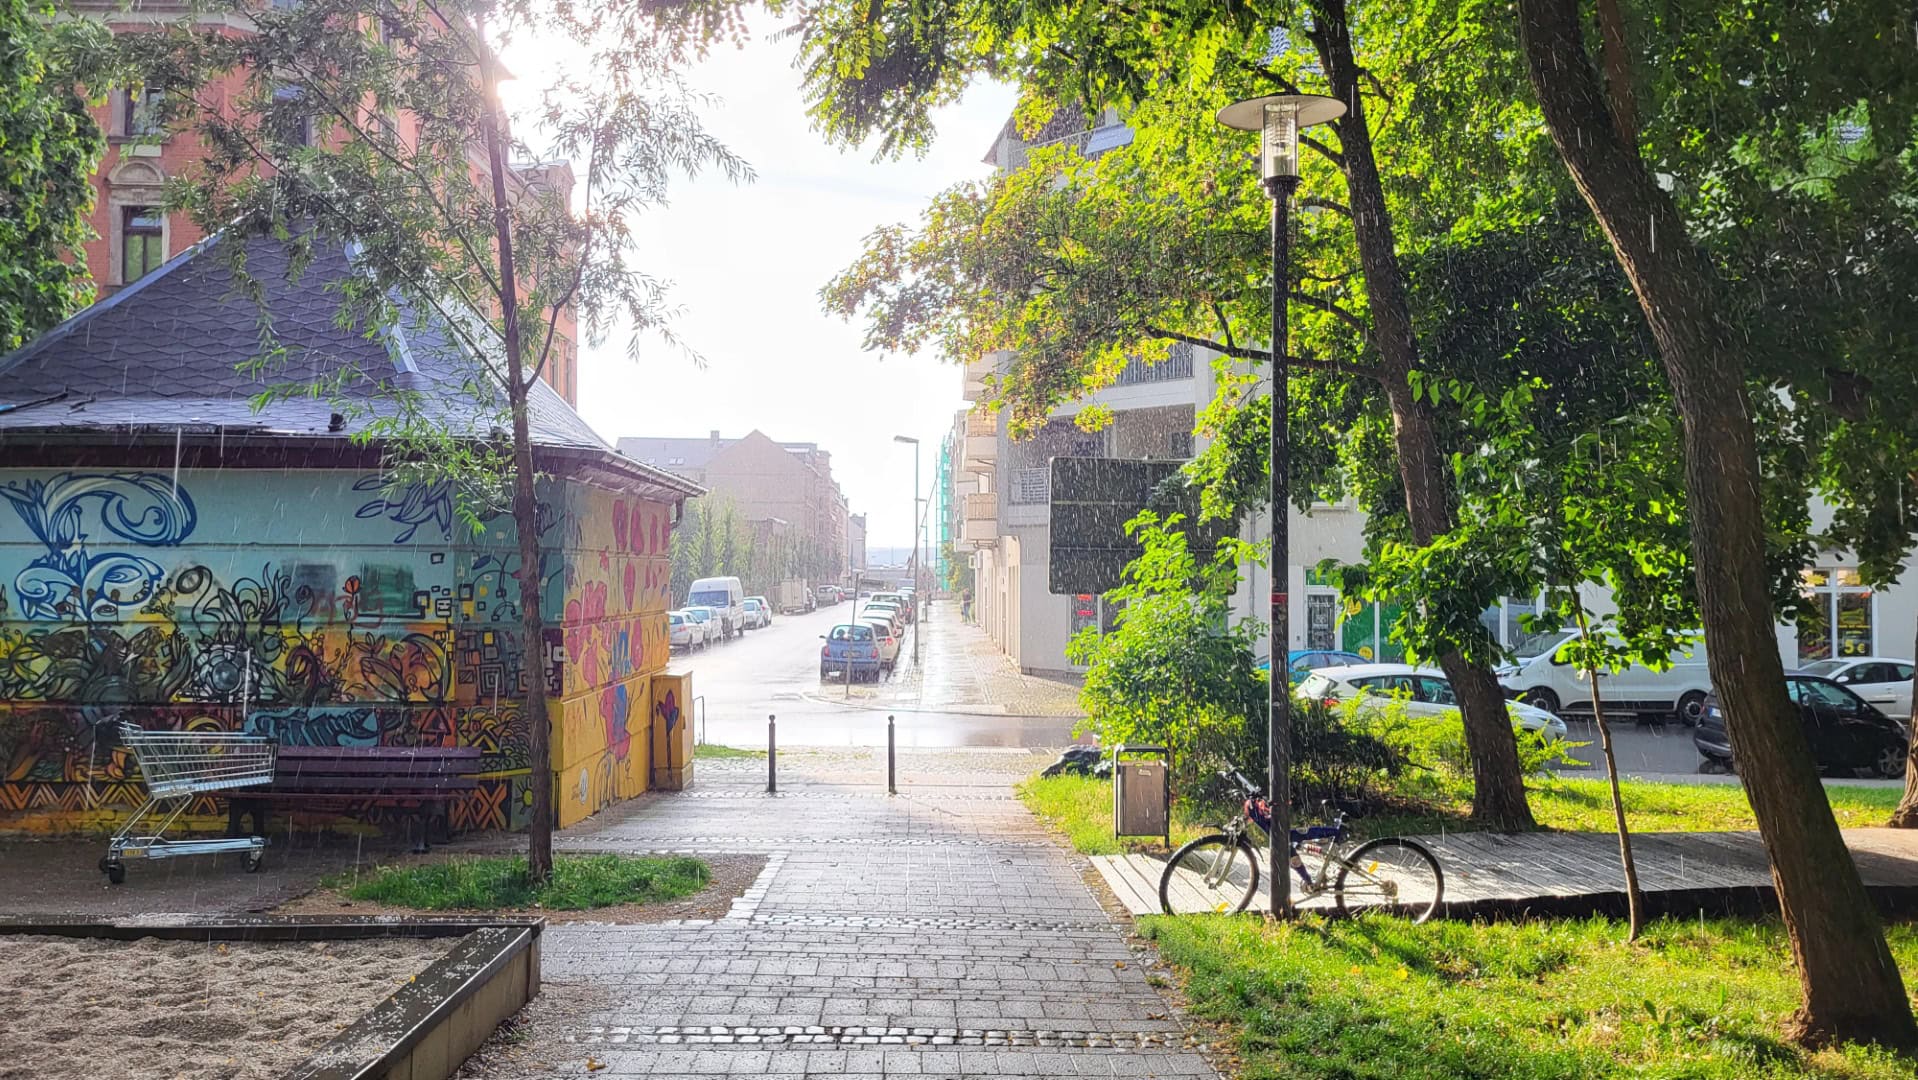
(1498, 788)
(1851, 987)
(539, 832)
(1634, 897)
(1906, 816)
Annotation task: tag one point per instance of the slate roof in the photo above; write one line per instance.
(179, 351)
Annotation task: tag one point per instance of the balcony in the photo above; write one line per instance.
(979, 520)
(982, 442)
(974, 388)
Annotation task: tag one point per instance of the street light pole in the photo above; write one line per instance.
(1278, 119)
(913, 563)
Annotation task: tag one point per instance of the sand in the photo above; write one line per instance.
(152, 1009)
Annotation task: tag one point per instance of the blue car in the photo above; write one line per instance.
(1305, 661)
(850, 649)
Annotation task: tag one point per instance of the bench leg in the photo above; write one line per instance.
(418, 821)
(238, 809)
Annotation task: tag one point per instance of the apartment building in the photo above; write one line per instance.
(134, 237)
(762, 478)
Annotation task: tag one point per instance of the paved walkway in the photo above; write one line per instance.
(1579, 872)
(971, 677)
(939, 932)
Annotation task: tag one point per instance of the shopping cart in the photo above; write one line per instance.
(179, 765)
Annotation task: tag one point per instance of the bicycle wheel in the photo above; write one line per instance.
(1392, 874)
(1214, 874)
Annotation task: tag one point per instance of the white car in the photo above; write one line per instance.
(685, 630)
(1425, 692)
(1542, 674)
(896, 599)
(888, 641)
(758, 612)
(682, 632)
(707, 619)
(1885, 683)
(889, 612)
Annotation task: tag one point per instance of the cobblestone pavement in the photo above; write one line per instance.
(939, 932)
(971, 675)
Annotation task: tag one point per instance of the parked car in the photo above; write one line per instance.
(850, 649)
(1425, 691)
(826, 595)
(682, 632)
(890, 612)
(758, 612)
(888, 641)
(897, 599)
(727, 597)
(1884, 684)
(1304, 662)
(1544, 675)
(708, 622)
(1847, 734)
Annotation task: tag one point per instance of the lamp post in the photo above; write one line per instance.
(1278, 119)
(913, 564)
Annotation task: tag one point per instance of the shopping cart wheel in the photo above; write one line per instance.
(253, 860)
(116, 872)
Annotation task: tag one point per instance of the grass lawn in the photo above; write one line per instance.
(716, 752)
(1081, 807)
(579, 882)
(1372, 999)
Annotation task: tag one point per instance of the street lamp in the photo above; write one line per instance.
(1278, 120)
(914, 562)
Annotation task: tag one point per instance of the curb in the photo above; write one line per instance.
(955, 710)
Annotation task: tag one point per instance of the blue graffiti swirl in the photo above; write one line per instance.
(146, 508)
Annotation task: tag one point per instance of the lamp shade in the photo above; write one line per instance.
(1278, 119)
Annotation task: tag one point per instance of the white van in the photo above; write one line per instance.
(724, 595)
(1543, 675)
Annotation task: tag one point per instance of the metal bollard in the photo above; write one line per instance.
(892, 762)
(772, 754)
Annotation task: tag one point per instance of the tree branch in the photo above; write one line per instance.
(1241, 352)
(1326, 204)
(1350, 319)
(1330, 154)
(1224, 326)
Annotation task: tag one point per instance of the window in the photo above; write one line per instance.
(140, 111)
(1436, 691)
(1321, 621)
(142, 242)
(1840, 618)
(293, 126)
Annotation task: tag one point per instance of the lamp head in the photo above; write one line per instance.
(1278, 118)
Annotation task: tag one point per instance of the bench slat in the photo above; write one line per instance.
(379, 753)
(373, 783)
(309, 767)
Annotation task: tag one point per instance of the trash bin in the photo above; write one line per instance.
(1142, 792)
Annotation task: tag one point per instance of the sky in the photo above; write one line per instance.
(747, 263)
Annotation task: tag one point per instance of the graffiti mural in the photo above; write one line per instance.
(411, 505)
(69, 581)
(345, 613)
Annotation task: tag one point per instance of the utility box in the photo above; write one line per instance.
(1142, 792)
(670, 748)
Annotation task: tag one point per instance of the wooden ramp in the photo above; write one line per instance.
(1578, 873)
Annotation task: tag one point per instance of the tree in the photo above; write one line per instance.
(392, 142)
(1851, 986)
(1160, 247)
(49, 146)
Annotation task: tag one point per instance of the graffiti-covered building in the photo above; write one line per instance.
(178, 551)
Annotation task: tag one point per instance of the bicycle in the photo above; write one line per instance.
(1219, 872)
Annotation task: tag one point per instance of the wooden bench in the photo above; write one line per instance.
(422, 779)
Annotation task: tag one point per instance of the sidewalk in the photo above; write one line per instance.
(938, 932)
(960, 671)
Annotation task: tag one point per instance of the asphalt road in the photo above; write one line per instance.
(774, 669)
(1657, 753)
